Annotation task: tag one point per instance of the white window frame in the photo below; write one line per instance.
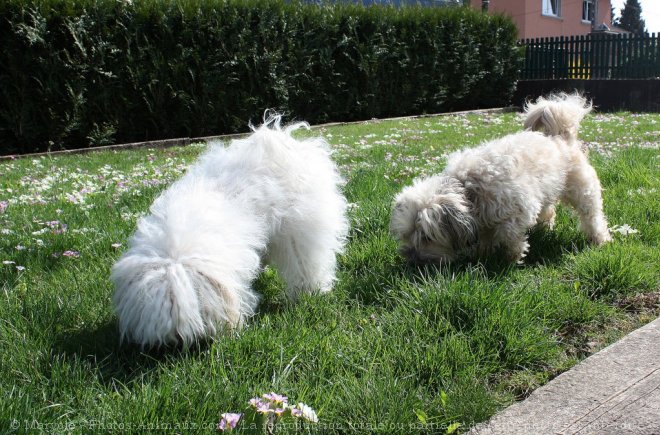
(548, 10)
(588, 8)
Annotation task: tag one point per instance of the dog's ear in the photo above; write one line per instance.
(461, 226)
(428, 223)
(447, 224)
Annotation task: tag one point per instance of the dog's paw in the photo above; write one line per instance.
(517, 252)
(601, 238)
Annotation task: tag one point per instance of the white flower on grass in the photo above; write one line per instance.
(275, 398)
(624, 229)
(74, 198)
(267, 411)
(229, 421)
(261, 406)
(305, 412)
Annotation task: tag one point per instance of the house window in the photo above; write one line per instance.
(588, 10)
(552, 8)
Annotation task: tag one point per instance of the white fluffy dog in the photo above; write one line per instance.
(488, 197)
(189, 267)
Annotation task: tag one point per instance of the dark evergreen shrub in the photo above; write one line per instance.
(78, 73)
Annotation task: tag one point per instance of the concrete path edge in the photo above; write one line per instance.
(615, 391)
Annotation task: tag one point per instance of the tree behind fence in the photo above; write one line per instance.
(595, 56)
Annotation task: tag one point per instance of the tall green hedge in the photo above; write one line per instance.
(77, 73)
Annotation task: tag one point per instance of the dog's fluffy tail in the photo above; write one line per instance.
(557, 115)
(187, 269)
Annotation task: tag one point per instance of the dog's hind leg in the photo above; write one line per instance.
(305, 265)
(547, 217)
(583, 193)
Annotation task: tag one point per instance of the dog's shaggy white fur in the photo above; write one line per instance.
(189, 267)
(490, 196)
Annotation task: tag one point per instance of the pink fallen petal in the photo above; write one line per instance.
(72, 254)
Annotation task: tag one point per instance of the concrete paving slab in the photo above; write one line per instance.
(615, 391)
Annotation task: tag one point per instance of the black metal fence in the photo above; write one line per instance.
(594, 56)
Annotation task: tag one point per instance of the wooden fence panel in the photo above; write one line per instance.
(597, 56)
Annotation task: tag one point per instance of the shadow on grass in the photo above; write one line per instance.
(116, 362)
(100, 346)
(370, 280)
(271, 289)
(549, 246)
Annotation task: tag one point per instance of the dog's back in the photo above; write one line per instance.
(271, 153)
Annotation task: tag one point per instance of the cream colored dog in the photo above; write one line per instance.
(488, 197)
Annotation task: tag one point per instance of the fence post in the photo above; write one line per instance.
(655, 57)
(619, 56)
(571, 57)
(537, 58)
(585, 57)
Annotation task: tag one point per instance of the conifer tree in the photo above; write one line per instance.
(631, 18)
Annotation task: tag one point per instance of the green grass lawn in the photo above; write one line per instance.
(395, 346)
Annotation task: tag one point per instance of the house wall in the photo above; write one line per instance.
(532, 24)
